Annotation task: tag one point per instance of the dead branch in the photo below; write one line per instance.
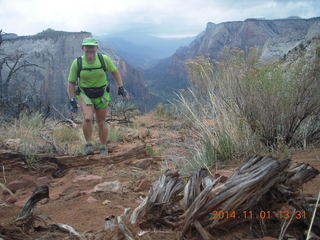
(37, 195)
(67, 120)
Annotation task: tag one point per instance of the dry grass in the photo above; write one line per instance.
(240, 106)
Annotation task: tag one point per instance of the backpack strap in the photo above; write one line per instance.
(103, 64)
(79, 61)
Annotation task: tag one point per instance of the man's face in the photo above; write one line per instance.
(90, 51)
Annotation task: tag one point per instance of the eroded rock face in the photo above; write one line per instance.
(54, 52)
(273, 38)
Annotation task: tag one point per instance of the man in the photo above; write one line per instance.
(92, 91)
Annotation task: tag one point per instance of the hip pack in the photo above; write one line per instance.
(94, 92)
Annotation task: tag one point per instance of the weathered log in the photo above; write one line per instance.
(118, 227)
(161, 203)
(259, 183)
(196, 183)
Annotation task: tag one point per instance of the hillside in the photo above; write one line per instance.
(273, 38)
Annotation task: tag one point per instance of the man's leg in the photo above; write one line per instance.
(87, 112)
(101, 114)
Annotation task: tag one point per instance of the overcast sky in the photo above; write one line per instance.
(156, 17)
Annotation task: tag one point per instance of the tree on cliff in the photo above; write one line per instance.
(9, 66)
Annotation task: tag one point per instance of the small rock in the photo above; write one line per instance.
(55, 196)
(44, 201)
(42, 181)
(106, 202)
(86, 178)
(142, 163)
(24, 181)
(13, 144)
(114, 186)
(73, 195)
(91, 200)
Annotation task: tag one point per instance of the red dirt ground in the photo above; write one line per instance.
(84, 216)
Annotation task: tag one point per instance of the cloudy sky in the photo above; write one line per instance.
(161, 18)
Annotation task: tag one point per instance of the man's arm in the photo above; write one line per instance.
(121, 90)
(71, 89)
(118, 78)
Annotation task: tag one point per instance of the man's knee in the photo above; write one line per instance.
(87, 120)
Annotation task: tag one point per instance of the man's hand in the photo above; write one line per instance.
(74, 105)
(123, 92)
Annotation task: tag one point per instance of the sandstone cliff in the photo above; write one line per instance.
(273, 38)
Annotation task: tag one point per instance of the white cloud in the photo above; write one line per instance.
(163, 17)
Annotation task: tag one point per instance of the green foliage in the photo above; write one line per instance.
(239, 106)
(65, 134)
(115, 134)
(123, 110)
(165, 110)
(150, 151)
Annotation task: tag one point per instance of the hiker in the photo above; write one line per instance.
(92, 91)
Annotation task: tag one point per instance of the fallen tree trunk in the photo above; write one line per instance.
(260, 185)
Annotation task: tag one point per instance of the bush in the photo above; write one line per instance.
(255, 106)
(277, 100)
(115, 134)
(165, 110)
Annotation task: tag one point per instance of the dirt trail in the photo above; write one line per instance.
(72, 200)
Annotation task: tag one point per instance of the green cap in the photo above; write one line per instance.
(89, 42)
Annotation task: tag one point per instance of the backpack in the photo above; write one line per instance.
(80, 68)
(103, 65)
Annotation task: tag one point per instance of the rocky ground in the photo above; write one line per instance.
(95, 187)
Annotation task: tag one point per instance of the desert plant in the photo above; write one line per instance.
(165, 110)
(277, 100)
(66, 134)
(123, 110)
(115, 134)
(150, 151)
(255, 106)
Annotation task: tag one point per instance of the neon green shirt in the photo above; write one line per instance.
(92, 78)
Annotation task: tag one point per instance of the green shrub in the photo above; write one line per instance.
(115, 134)
(165, 110)
(150, 151)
